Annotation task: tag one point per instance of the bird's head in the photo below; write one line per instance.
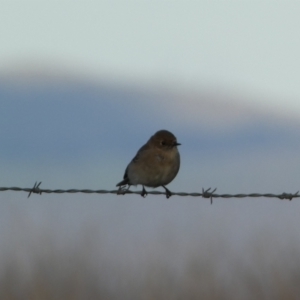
(164, 139)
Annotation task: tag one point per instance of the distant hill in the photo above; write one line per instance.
(46, 114)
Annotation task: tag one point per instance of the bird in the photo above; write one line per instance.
(155, 164)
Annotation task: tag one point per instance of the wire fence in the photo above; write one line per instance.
(208, 193)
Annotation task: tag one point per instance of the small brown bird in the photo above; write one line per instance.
(155, 164)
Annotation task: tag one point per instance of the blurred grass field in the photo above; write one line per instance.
(49, 271)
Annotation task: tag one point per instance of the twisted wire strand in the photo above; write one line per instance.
(205, 193)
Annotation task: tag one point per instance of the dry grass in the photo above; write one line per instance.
(73, 273)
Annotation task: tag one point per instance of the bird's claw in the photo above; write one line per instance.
(168, 192)
(144, 192)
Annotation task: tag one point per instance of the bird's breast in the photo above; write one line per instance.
(155, 168)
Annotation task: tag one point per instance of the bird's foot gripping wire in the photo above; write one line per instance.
(168, 192)
(144, 192)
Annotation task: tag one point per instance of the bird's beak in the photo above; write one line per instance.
(177, 144)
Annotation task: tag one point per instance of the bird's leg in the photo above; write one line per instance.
(144, 192)
(168, 193)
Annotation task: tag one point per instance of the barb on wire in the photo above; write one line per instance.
(206, 193)
(35, 189)
(288, 196)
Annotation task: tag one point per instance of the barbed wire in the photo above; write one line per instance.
(205, 193)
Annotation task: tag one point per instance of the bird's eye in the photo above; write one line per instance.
(163, 143)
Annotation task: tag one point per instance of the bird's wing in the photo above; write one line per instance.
(134, 160)
(139, 153)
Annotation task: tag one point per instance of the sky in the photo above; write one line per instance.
(248, 46)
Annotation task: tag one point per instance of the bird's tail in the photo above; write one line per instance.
(123, 182)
